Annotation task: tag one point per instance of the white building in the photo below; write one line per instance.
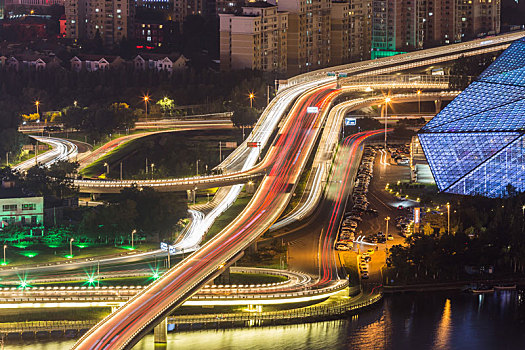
(19, 209)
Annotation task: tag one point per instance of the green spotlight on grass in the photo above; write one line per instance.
(29, 254)
(68, 256)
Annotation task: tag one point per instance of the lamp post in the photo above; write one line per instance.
(5, 247)
(251, 96)
(448, 217)
(419, 101)
(387, 100)
(71, 247)
(37, 104)
(146, 100)
(107, 167)
(152, 166)
(132, 236)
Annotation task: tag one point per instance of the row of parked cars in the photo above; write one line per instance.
(359, 200)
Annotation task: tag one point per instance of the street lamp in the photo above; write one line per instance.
(37, 103)
(448, 217)
(5, 247)
(132, 236)
(387, 100)
(251, 96)
(387, 219)
(107, 167)
(146, 100)
(523, 210)
(71, 247)
(419, 101)
(152, 166)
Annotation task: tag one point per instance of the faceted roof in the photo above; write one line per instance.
(476, 143)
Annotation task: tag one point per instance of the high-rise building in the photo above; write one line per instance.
(400, 25)
(476, 144)
(308, 34)
(111, 19)
(360, 17)
(255, 39)
(478, 17)
(339, 32)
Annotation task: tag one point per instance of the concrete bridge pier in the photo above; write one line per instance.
(223, 278)
(160, 332)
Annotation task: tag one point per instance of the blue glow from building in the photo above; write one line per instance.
(476, 144)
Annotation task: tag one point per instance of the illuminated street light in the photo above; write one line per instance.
(419, 101)
(37, 104)
(146, 100)
(251, 96)
(107, 167)
(71, 248)
(132, 236)
(387, 100)
(448, 217)
(387, 219)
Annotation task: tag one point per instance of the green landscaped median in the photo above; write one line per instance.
(167, 154)
(23, 254)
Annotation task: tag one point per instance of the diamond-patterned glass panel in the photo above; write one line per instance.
(476, 145)
(476, 98)
(452, 156)
(510, 117)
(492, 177)
(513, 77)
(510, 59)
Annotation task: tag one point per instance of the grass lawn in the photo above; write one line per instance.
(172, 154)
(254, 278)
(350, 261)
(229, 215)
(54, 314)
(39, 253)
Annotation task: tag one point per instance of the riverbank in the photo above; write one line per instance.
(454, 285)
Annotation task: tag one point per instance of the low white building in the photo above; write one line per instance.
(18, 208)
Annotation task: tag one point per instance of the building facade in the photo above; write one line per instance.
(360, 29)
(308, 34)
(339, 32)
(20, 209)
(476, 144)
(400, 26)
(255, 39)
(111, 19)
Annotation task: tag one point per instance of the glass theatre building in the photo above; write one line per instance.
(476, 144)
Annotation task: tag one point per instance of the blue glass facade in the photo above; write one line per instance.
(476, 144)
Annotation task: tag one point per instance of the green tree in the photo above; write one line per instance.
(244, 116)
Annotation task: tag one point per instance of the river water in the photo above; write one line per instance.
(444, 320)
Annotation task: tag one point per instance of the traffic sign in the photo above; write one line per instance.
(312, 109)
(253, 144)
(164, 246)
(350, 121)
(229, 144)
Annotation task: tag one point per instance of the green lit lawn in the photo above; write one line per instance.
(23, 254)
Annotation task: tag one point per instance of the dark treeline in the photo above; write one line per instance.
(59, 88)
(486, 232)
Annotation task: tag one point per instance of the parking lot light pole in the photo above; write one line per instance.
(387, 219)
(387, 100)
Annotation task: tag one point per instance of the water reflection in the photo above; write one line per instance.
(409, 321)
(444, 328)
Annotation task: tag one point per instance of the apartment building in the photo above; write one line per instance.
(111, 19)
(308, 34)
(404, 25)
(477, 17)
(360, 29)
(255, 39)
(339, 32)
